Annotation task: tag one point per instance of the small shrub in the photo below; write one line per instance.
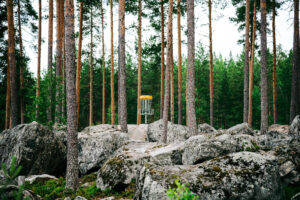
(182, 192)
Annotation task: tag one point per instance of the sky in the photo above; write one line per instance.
(225, 33)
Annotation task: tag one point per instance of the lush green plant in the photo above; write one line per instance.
(182, 192)
(10, 174)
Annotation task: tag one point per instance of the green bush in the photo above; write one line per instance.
(182, 192)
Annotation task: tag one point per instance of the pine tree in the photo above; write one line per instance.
(162, 68)
(112, 74)
(72, 141)
(139, 117)
(14, 110)
(192, 124)
(251, 71)
(91, 72)
(103, 66)
(167, 74)
(263, 76)
(37, 114)
(179, 63)
(274, 66)
(211, 67)
(78, 71)
(122, 103)
(246, 65)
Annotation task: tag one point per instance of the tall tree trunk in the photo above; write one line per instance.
(21, 65)
(50, 54)
(72, 141)
(211, 89)
(103, 67)
(7, 106)
(12, 64)
(162, 68)
(263, 75)
(78, 71)
(122, 110)
(37, 113)
(139, 117)
(112, 73)
(251, 72)
(58, 60)
(63, 75)
(167, 74)
(246, 65)
(274, 66)
(179, 64)
(192, 124)
(172, 78)
(91, 73)
(295, 107)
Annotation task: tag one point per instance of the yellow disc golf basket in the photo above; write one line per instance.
(146, 101)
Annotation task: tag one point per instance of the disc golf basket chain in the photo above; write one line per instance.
(146, 101)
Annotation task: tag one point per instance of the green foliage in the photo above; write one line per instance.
(182, 192)
(12, 172)
(53, 189)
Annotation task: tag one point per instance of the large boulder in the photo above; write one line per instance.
(243, 175)
(243, 128)
(176, 132)
(200, 148)
(122, 168)
(36, 148)
(276, 136)
(97, 144)
(206, 128)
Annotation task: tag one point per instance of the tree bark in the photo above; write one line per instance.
(295, 97)
(192, 124)
(21, 64)
(139, 117)
(50, 54)
(14, 111)
(112, 73)
(211, 68)
(37, 113)
(263, 75)
(167, 74)
(91, 73)
(274, 65)
(78, 71)
(172, 77)
(179, 64)
(7, 106)
(63, 75)
(58, 60)
(122, 110)
(72, 141)
(251, 72)
(246, 65)
(103, 67)
(162, 68)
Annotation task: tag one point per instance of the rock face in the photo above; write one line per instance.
(295, 126)
(36, 148)
(240, 129)
(206, 128)
(200, 148)
(176, 133)
(97, 144)
(243, 175)
(121, 169)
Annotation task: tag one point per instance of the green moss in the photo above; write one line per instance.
(88, 178)
(217, 169)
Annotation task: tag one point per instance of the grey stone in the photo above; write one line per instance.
(242, 175)
(80, 198)
(206, 128)
(295, 126)
(122, 168)
(44, 177)
(36, 148)
(243, 128)
(296, 197)
(176, 133)
(97, 144)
